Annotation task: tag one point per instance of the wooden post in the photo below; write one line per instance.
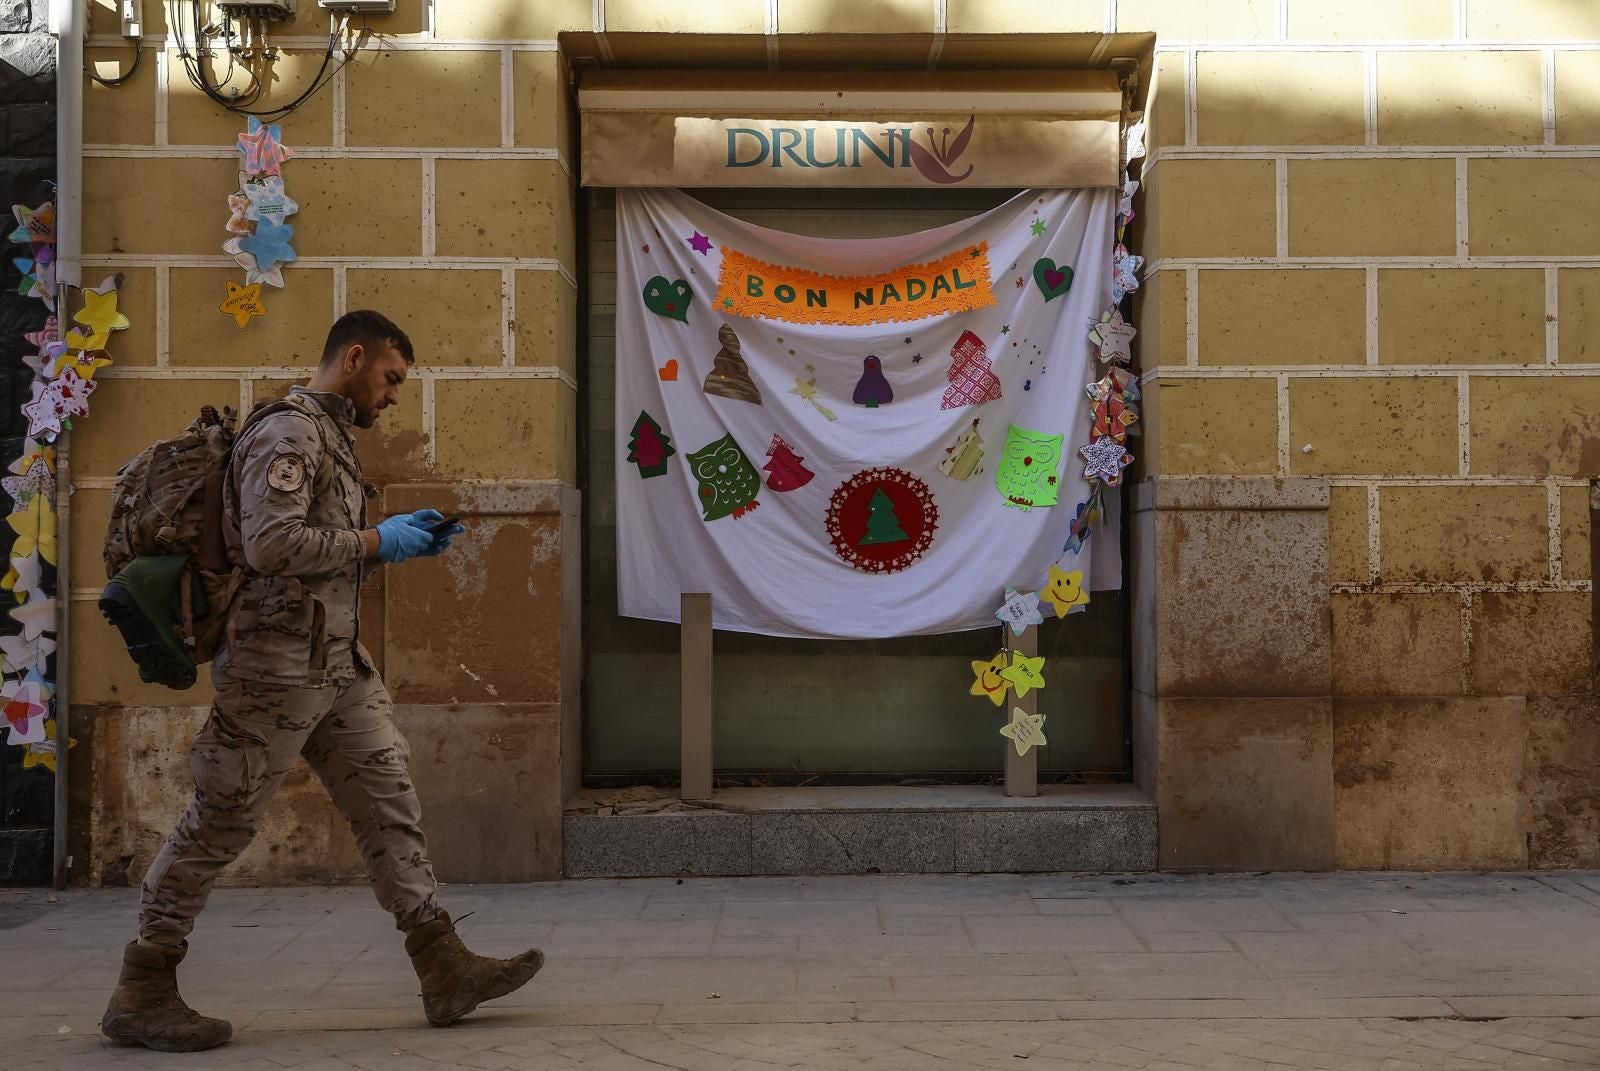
(694, 760)
(1022, 771)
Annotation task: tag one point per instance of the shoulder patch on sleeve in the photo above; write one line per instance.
(287, 472)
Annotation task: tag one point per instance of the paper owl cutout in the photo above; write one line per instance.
(728, 482)
(1026, 475)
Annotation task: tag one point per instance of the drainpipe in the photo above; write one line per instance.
(67, 19)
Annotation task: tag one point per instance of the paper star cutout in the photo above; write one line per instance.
(21, 653)
(1133, 142)
(25, 575)
(238, 206)
(263, 153)
(1037, 226)
(99, 312)
(267, 201)
(1020, 610)
(61, 398)
(79, 340)
(1064, 591)
(989, 680)
(243, 302)
(1124, 273)
(806, 390)
(1026, 730)
(84, 364)
(269, 244)
(37, 480)
(35, 225)
(1104, 459)
(24, 701)
(253, 272)
(1024, 673)
(36, 616)
(35, 524)
(1125, 202)
(700, 243)
(50, 332)
(32, 451)
(30, 734)
(1114, 336)
(43, 363)
(43, 752)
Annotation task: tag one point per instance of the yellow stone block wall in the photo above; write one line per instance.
(1372, 233)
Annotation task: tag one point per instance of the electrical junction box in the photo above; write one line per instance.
(358, 7)
(271, 10)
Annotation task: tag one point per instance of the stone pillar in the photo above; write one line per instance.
(481, 651)
(1233, 713)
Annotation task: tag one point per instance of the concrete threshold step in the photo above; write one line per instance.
(945, 829)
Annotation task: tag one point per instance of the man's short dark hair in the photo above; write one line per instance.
(371, 330)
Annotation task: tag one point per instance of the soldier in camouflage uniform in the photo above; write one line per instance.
(293, 680)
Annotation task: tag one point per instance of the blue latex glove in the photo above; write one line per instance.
(428, 519)
(400, 537)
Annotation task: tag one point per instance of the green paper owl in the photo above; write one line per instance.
(728, 482)
(1026, 475)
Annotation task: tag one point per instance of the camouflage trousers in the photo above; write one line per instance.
(254, 735)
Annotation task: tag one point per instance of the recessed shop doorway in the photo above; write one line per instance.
(799, 711)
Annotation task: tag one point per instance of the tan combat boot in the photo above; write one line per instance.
(147, 1010)
(454, 979)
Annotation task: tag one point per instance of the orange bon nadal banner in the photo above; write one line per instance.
(958, 282)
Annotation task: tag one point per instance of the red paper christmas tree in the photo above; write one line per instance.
(785, 469)
(972, 378)
(650, 447)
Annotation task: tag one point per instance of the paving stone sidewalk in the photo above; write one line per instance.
(1357, 971)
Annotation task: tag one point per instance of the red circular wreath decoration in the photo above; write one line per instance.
(876, 537)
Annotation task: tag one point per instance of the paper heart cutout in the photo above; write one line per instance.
(668, 298)
(669, 371)
(1053, 281)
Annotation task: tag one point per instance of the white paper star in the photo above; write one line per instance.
(1020, 610)
(1125, 201)
(1124, 273)
(1104, 459)
(1114, 336)
(23, 654)
(1133, 142)
(36, 616)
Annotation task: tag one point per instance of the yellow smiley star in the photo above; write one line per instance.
(99, 312)
(1065, 591)
(1024, 673)
(243, 302)
(990, 680)
(1025, 730)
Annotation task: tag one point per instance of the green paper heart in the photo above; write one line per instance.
(669, 299)
(1052, 281)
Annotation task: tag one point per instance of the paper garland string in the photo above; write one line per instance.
(257, 210)
(64, 367)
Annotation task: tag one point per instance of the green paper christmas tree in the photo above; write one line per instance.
(882, 524)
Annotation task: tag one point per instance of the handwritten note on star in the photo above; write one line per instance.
(1025, 730)
(1024, 673)
(990, 682)
(243, 302)
(1020, 610)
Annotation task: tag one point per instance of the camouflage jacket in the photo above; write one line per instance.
(294, 506)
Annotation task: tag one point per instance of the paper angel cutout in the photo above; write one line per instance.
(1025, 730)
(1064, 592)
(990, 682)
(1025, 674)
(1114, 336)
(1020, 610)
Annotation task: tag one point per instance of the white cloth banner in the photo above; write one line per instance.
(856, 437)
